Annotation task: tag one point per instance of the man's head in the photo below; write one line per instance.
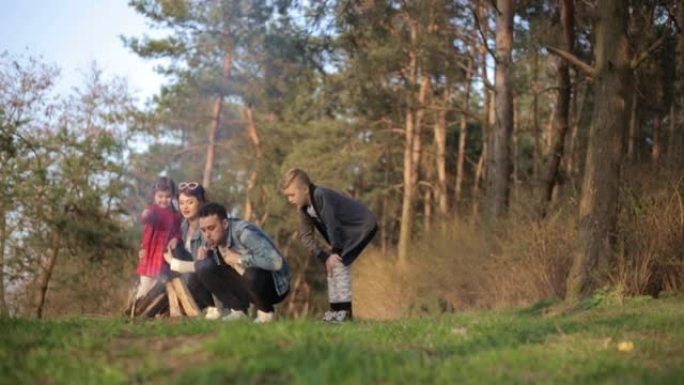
(295, 186)
(213, 222)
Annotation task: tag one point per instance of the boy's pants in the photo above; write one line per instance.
(339, 284)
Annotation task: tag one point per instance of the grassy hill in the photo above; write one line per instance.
(638, 342)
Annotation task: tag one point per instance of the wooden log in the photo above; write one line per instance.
(186, 300)
(152, 305)
(174, 306)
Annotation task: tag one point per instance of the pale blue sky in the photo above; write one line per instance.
(74, 33)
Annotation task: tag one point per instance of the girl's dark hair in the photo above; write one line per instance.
(164, 184)
(192, 189)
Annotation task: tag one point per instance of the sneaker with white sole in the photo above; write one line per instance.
(342, 316)
(338, 316)
(329, 316)
(264, 317)
(234, 315)
(212, 313)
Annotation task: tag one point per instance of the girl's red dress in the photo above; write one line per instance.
(161, 225)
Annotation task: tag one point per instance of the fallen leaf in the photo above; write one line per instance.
(626, 346)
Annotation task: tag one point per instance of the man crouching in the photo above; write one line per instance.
(239, 264)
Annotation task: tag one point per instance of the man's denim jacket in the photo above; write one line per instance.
(258, 250)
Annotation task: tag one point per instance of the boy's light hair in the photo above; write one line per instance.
(292, 175)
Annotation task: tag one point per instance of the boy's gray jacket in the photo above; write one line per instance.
(345, 223)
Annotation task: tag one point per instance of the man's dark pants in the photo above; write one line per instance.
(236, 291)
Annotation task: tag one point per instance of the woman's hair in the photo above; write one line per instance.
(192, 189)
(164, 184)
(292, 175)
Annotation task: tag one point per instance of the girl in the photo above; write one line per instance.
(162, 226)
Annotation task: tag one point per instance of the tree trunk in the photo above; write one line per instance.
(427, 210)
(440, 141)
(406, 224)
(600, 187)
(514, 148)
(572, 141)
(584, 117)
(46, 273)
(480, 167)
(656, 148)
(549, 131)
(562, 121)
(677, 155)
(488, 115)
(479, 173)
(385, 218)
(499, 159)
(463, 127)
(3, 239)
(536, 128)
(671, 133)
(216, 113)
(633, 128)
(412, 154)
(256, 142)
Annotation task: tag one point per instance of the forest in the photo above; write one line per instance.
(512, 151)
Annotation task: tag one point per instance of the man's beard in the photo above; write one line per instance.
(213, 245)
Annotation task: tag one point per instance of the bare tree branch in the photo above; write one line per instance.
(574, 60)
(637, 60)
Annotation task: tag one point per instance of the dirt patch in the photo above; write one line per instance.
(142, 356)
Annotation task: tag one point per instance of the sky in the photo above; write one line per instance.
(72, 34)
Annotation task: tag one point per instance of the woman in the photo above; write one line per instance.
(191, 196)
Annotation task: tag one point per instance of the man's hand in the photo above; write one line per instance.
(201, 253)
(141, 254)
(330, 263)
(230, 257)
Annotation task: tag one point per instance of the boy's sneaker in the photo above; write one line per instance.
(337, 316)
(234, 315)
(328, 316)
(264, 317)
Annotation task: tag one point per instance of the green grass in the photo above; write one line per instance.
(520, 346)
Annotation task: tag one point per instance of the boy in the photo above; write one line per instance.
(346, 224)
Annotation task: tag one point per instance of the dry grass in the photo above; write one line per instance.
(650, 256)
(467, 268)
(86, 287)
(524, 260)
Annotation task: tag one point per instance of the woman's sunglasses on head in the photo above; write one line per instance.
(188, 185)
